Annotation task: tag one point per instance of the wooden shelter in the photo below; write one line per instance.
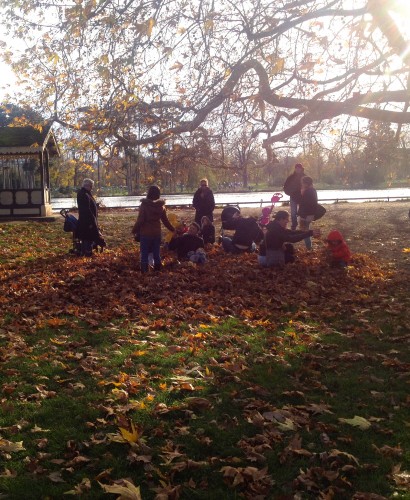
(25, 155)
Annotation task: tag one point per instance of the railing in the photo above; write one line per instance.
(262, 203)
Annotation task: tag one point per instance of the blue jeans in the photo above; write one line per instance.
(305, 226)
(293, 213)
(149, 245)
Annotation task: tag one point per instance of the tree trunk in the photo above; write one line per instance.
(245, 176)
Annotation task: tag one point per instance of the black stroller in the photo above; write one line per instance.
(70, 226)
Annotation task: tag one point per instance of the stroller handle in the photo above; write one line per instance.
(64, 212)
(276, 197)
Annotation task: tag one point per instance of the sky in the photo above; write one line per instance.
(7, 78)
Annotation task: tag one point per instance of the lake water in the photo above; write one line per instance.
(250, 199)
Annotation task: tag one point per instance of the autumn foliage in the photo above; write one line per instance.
(222, 380)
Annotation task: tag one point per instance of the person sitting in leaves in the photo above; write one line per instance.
(338, 252)
(279, 239)
(207, 231)
(247, 235)
(189, 244)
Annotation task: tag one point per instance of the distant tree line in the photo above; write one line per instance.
(372, 156)
(369, 159)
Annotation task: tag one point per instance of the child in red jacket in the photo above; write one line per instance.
(339, 253)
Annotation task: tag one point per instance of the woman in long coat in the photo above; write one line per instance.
(203, 202)
(307, 207)
(87, 228)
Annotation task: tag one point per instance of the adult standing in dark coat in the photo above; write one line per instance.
(292, 188)
(203, 202)
(87, 229)
(307, 207)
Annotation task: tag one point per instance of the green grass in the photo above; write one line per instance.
(212, 436)
(256, 392)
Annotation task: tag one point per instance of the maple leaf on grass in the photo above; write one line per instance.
(124, 488)
(131, 435)
(198, 404)
(401, 478)
(356, 421)
(80, 488)
(389, 451)
(56, 477)
(9, 446)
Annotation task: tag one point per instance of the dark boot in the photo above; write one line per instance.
(144, 268)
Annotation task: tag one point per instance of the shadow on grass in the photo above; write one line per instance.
(235, 377)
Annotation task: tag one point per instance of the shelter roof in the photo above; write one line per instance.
(27, 140)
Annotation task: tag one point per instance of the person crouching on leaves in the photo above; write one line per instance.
(148, 226)
(278, 240)
(247, 235)
(338, 252)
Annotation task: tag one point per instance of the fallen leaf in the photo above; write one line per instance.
(56, 477)
(356, 421)
(9, 446)
(130, 436)
(124, 488)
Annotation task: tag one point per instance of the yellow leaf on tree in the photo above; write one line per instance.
(278, 65)
(150, 24)
(208, 25)
(53, 59)
(356, 421)
(178, 66)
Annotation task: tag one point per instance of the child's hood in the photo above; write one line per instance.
(153, 207)
(335, 236)
(153, 203)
